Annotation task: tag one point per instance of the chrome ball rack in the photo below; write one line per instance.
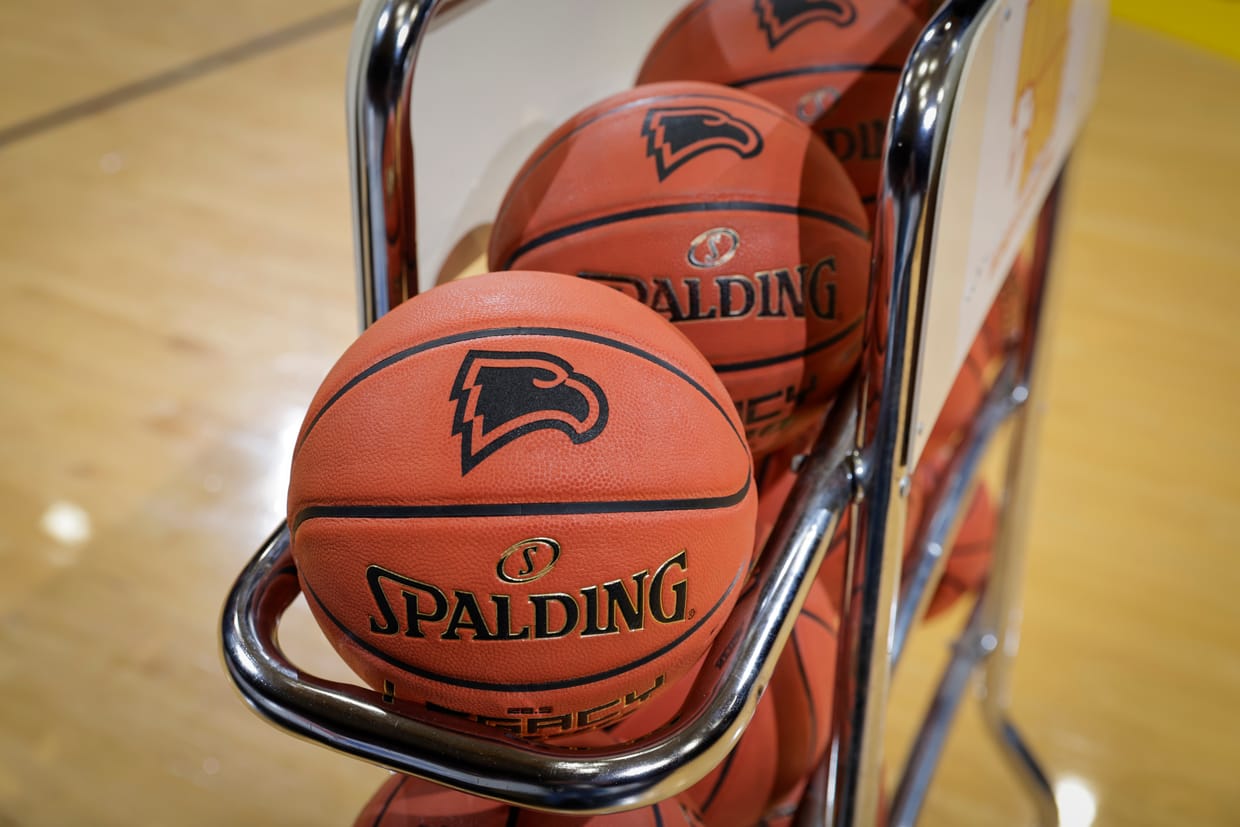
(863, 461)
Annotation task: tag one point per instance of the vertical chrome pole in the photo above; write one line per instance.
(1001, 605)
(913, 153)
(380, 77)
(946, 509)
(927, 748)
(873, 572)
(386, 39)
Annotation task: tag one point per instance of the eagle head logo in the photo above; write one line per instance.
(675, 134)
(502, 396)
(780, 18)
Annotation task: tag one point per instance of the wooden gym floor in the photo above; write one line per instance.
(176, 275)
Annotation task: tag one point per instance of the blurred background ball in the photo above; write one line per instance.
(833, 65)
(723, 214)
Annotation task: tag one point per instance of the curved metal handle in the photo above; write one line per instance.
(485, 761)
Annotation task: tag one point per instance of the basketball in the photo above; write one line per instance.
(674, 812)
(775, 476)
(964, 399)
(522, 498)
(775, 481)
(782, 812)
(735, 793)
(924, 9)
(969, 560)
(723, 214)
(801, 690)
(834, 66)
(1005, 323)
(777, 473)
(405, 801)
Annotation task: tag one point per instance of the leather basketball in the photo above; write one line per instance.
(833, 65)
(405, 801)
(735, 793)
(722, 213)
(523, 498)
(802, 690)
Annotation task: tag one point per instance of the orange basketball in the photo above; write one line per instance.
(723, 214)
(776, 475)
(735, 793)
(674, 812)
(524, 498)
(834, 65)
(965, 398)
(782, 812)
(405, 801)
(801, 689)
(924, 9)
(1005, 323)
(969, 560)
(775, 481)
(831, 573)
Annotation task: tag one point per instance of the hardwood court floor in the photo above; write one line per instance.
(176, 277)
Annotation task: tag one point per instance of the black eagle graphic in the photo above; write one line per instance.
(676, 134)
(780, 18)
(501, 396)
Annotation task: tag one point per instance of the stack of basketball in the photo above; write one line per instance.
(529, 498)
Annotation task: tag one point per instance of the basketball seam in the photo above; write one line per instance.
(673, 27)
(951, 579)
(817, 69)
(764, 467)
(735, 367)
(458, 510)
(718, 785)
(821, 621)
(566, 683)
(677, 208)
(970, 549)
(496, 332)
(534, 162)
(809, 693)
(383, 810)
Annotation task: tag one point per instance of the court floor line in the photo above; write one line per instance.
(260, 45)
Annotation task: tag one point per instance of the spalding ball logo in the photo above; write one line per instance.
(502, 396)
(676, 134)
(528, 560)
(714, 247)
(815, 102)
(780, 18)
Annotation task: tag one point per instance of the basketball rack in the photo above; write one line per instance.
(862, 461)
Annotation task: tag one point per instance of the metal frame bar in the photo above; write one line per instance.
(848, 463)
(913, 156)
(483, 761)
(1000, 606)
